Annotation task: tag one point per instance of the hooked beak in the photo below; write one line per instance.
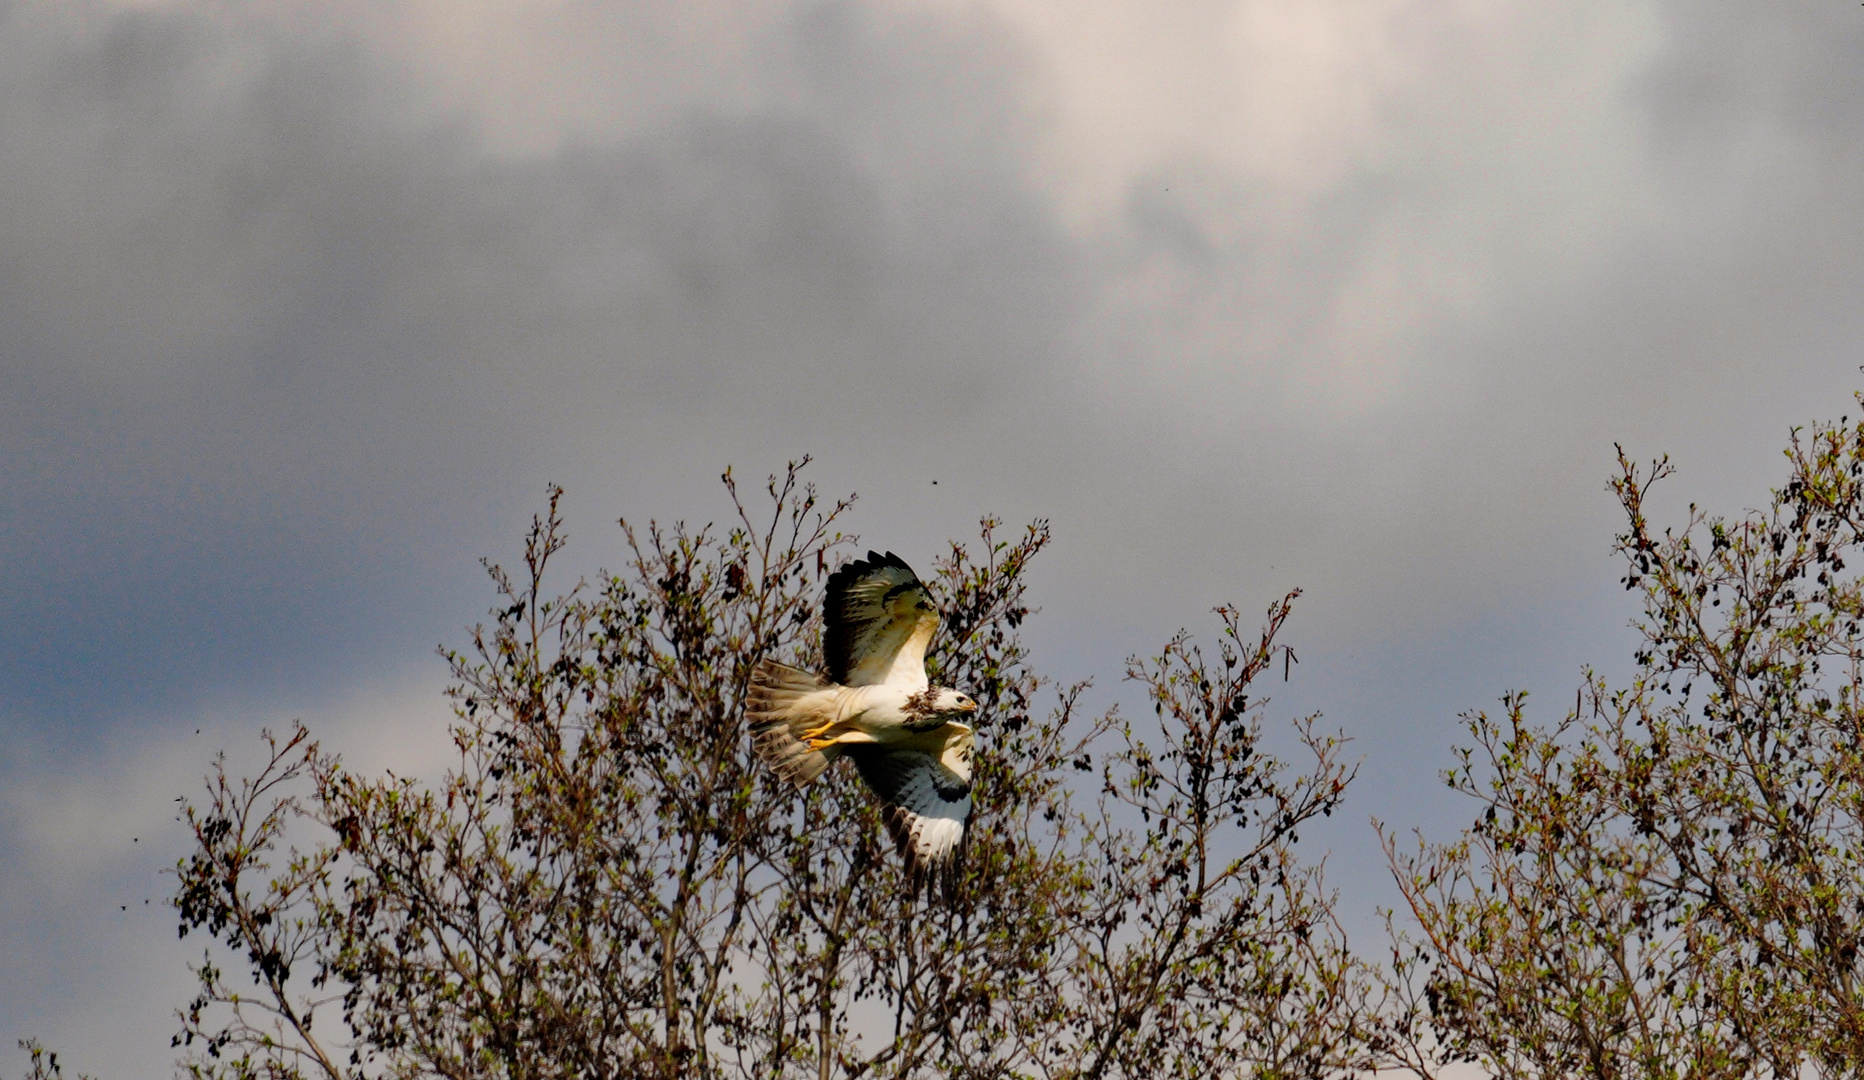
(969, 706)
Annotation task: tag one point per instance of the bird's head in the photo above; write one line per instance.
(948, 702)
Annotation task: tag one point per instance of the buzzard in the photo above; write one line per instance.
(876, 707)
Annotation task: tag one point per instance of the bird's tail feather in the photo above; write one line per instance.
(776, 724)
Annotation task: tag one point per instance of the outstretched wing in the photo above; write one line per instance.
(877, 621)
(927, 798)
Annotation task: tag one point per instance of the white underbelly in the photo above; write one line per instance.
(878, 710)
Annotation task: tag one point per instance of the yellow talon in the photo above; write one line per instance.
(815, 737)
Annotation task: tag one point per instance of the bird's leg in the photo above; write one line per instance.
(817, 738)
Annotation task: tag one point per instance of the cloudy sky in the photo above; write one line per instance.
(302, 304)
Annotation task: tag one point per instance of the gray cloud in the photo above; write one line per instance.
(270, 348)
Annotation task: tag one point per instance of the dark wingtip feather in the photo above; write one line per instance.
(874, 561)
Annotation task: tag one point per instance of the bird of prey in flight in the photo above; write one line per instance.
(876, 707)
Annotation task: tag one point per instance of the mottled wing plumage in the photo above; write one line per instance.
(926, 796)
(870, 635)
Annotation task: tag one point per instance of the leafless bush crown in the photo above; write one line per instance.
(605, 884)
(1668, 882)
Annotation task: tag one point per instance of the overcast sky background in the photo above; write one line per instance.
(303, 304)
